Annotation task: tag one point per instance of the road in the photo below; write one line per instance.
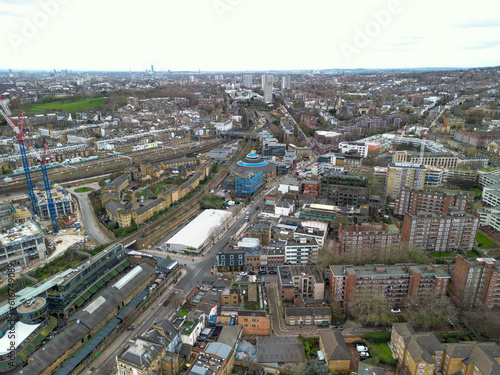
(87, 217)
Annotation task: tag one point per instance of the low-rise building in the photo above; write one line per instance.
(335, 351)
(320, 316)
(140, 357)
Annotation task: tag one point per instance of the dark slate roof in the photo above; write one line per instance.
(279, 349)
(143, 354)
(307, 311)
(335, 347)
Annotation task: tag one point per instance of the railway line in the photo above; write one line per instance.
(95, 168)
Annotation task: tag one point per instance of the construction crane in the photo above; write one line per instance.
(20, 129)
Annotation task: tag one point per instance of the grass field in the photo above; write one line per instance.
(70, 106)
(383, 352)
(486, 241)
(476, 191)
(83, 189)
(377, 337)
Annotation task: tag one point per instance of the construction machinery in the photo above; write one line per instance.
(20, 129)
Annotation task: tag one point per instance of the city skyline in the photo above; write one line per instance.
(228, 35)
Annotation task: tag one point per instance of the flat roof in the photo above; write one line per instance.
(22, 331)
(125, 279)
(198, 230)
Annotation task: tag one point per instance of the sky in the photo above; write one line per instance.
(247, 35)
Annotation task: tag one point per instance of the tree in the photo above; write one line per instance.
(137, 194)
(368, 305)
(102, 183)
(317, 367)
(7, 171)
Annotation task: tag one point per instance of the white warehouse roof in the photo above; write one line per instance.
(199, 230)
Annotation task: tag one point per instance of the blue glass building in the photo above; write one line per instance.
(248, 183)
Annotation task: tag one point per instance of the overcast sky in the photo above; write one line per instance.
(247, 34)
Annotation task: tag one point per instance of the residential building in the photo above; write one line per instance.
(266, 78)
(452, 231)
(491, 195)
(191, 326)
(61, 198)
(476, 139)
(140, 357)
(400, 175)
(285, 82)
(319, 316)
(423, 353)
(490, 217)
(476, 282)
(217, 359)
(335, 351)
(22, 241)
(417, 200)
(488, 176)
(231, 258)
(345, 189)
(248, 183)
(302, 282)
(446, 160)
(274, 149)
(309, 188)
(255, 323)
(268, 92)
(368, 238)
(301, 250)
(328, 137)
(230, 296)
(395, 283)
(247, 80)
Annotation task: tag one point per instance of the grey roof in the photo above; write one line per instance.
(114, 206)
(162, 332)
(74, 333)
(367, 369)
(335, 347)
(219, 349)
(141, 353)
(307, 311)
(149, 206)
(279, 349)
(230, 335)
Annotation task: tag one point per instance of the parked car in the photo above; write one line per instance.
(396, 310)
(243, 273)
(262, 273)
(361, 348)
(251, 273)
(272, 272)
(339, 328)
(364, 355)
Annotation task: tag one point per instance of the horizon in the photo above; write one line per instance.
(241, 36)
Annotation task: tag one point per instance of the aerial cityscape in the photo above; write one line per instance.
(181, 195)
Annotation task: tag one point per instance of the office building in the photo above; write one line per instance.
(248, 183)
(354, 148)
(394, 282)
(302, 282)
(476, 282)
(452, 231)
(400, 175)
(418, 200)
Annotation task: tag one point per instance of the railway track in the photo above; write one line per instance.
(17, 186)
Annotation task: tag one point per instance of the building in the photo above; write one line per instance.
(248, 183)
(274, 149)
(193, 237)
(400, 175)
(476, 282)
(453, 231)
(335, 351)
(140, 357)
(231, 258)
(491, 195)
(63, 202)
(328, 137)
(417, 200)
(395, 283)
(368, 238)
(266, 78)
(310, 188)
(423, 353)
(255, 323)
(217, 359)
(301, 282)
(254, 163)
(446, 160)
(285, 83)
(344, 189)
(247, 80)
(354, 147)
(268, 92)
(476, 139)
(319, 316)
(490, 217)
(488, 176)
(301, 250)
(22, 241)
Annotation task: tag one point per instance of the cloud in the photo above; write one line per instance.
(484, 23)
(484, 44)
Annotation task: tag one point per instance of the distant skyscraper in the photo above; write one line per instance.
(265, 79)
(268, 92)
(285, 82)
(152, 69)
(247, 80)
